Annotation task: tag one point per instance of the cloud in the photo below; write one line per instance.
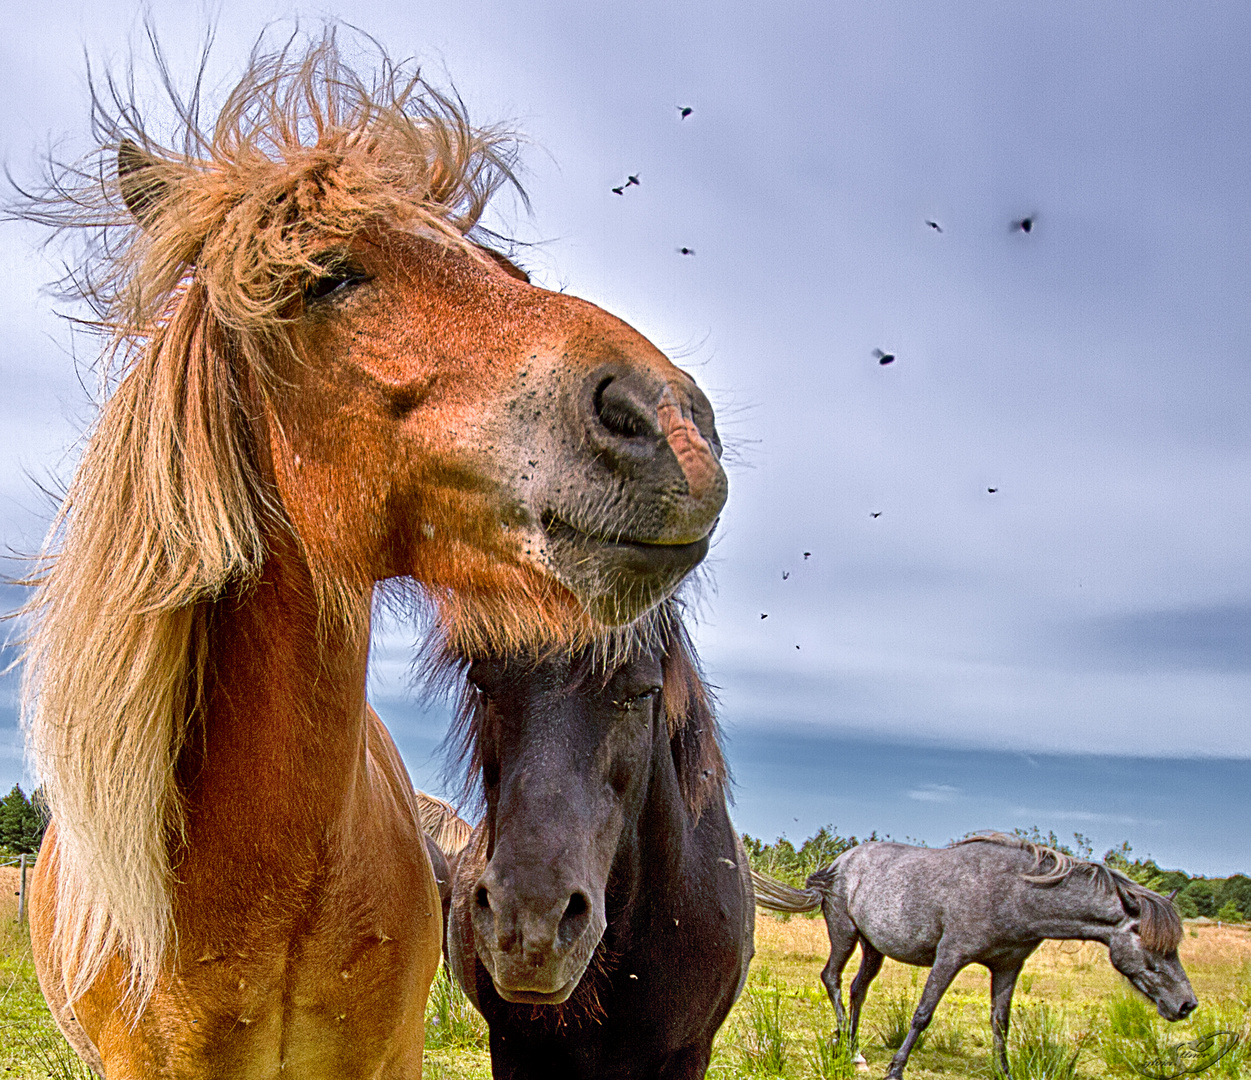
(1207, 637)
(939, 793)
(1089, 817)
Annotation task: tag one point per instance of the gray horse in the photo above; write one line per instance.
(992, 900)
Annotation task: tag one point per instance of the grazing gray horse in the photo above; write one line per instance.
(992, 900)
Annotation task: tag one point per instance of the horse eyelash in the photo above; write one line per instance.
(624, 703)
(337, 275)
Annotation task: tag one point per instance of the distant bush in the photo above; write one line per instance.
(783, 861)
(1235, 890)
(22, 822)
(1202, 892)
(1230, 913)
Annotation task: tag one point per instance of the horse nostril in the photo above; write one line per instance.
(482, 898)
(620, 410)
(1187, 1007)
(576, 917)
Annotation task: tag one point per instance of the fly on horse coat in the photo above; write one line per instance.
(320, 379)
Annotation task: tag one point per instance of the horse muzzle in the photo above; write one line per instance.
(536, 949)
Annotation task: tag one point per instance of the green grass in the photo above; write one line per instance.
(896, 1009)
(30, 1044)
(1074, 1020)
(763, 1042)
(1042, 1046)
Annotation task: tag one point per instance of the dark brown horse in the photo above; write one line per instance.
(322, 380)
(602, 914)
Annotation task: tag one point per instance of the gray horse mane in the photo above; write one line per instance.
(1159, 925)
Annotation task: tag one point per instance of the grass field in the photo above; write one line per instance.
(1069, 1004)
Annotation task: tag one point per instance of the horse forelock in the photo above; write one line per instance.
(304, 151)
(694, 734)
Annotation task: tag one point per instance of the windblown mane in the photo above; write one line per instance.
(167, 510)
(694, 734)
(1159, 925)
(442, 824)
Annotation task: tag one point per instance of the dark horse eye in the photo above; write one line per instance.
(637, 701)
(338, 274)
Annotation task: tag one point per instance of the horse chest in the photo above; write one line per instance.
(315, 1009)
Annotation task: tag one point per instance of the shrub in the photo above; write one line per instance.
(832, 1059)
(1041, 1046)
(1203, 893)
(1230, 913)
(1236, 890)
(897, 1010)
(451, 1020)
(781, 859)
(763, 1041)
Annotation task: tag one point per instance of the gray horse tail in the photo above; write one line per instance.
(777, 896)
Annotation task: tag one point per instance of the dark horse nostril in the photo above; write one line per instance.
(482, 898)
(1187, 1007)
(577, 914)
(621, 410)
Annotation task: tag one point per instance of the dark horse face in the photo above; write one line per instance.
(1159, 975)
(565, 751)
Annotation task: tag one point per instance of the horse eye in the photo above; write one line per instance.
(338, 275)
(638, 700)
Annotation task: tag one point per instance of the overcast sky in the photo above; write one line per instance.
(1096, 371)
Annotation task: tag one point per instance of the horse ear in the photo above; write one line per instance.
(506, 264)
(1173, 895)
(143, 190)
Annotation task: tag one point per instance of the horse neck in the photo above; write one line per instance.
(281, 739)
(1077, 909)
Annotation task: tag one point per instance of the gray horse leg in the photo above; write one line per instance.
(843, 936)
(944, 970)
(870, 965)
(1002, 983)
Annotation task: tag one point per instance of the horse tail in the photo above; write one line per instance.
(777, 896)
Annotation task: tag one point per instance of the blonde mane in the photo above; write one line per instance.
(167, 509)
(442, 824)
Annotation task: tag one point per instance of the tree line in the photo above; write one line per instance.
(1225, 899)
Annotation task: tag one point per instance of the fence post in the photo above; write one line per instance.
(21, 894)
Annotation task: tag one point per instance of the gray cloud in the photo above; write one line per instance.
(1215, 637)
(941, 793)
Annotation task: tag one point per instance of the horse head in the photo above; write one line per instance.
(1143, 948)
(564, 772)
(409, 403)
(573, 753)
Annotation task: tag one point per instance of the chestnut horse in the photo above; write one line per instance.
(321, 381)
(602, 913)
